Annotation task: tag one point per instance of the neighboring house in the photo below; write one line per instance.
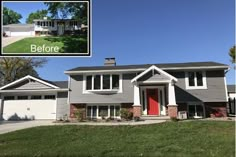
(33, 98)
(232, 97)
(151, 89)
(197, 88)
(19, 30)
(44, 26)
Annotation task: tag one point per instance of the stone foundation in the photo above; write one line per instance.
(136, 110)
(172, 111)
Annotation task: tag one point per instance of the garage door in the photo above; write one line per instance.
(29, 109)
(14, 34)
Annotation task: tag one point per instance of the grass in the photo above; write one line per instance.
(197, 138)
(66, 44)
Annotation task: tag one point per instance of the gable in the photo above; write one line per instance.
(153, 76)
(29, 84)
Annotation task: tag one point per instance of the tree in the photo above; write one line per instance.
(39, 14)
(74, 10)
(232, 54)
(10, 17)
(13, 68)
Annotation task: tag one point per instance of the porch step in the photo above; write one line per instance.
(144, 117)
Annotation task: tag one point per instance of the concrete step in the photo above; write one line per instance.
(151, 117)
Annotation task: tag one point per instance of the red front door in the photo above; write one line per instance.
(152, 102)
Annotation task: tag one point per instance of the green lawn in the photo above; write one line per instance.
(66, 44)
(197, 138)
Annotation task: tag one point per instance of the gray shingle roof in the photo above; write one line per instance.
(163, 65)
(231, 88)
(61, 84)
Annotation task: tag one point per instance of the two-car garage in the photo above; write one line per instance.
(32, 108)
(31, 98)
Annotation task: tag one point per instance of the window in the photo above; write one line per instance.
(38, 23)
(52, 23)
(115, 81)
(92, 111)
(106, 81)
(49, 97)
(97, 111)
(195, 111)
(23, 97)
(195, 80)
(97, 82)
(36, 97)
(102, 82)
(89, 82)
(9, 98)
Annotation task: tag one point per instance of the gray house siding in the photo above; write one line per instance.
(76, 92)
(1, 107)
(29, 85)
(62, 107)
(215, 91)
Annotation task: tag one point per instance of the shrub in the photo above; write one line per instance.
(174, 119)
(126, 114)
(80, 114)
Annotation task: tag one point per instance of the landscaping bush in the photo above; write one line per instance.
(80, 114)
(126, 114)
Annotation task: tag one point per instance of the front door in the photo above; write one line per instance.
(60, 27)
(152, 102)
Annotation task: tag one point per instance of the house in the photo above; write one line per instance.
(44, 27)
(151, 89)
(196, 88)
(231, 97)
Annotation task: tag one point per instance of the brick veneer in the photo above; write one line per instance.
(137, 110)
(172, 110)
(74, 107)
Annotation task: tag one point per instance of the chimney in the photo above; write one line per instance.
(110, 62)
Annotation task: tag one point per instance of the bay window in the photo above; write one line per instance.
(99, 111)
(104, 82)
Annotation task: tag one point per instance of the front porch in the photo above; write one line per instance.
(154, 93)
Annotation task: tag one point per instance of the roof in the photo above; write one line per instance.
(61, 84)
(19, 25)
(166, 66)
(231, 88)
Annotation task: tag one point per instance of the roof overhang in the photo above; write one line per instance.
(153, 67)
(74, 72)
(29, 77)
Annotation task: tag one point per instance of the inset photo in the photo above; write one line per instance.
(50, 28)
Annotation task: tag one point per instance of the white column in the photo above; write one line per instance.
(171, 94)
(136, 95)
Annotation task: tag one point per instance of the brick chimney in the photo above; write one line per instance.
(110, 62)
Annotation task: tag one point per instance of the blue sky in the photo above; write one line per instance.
(152, 31)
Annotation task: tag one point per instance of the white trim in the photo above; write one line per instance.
(204, 81)
(42, 90)
(69, 87)
(141, 69)
(28, 77)
(226, 90)
(153, 67)
(101, 90)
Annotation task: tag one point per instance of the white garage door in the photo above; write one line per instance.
(14, 34)
(29, 109)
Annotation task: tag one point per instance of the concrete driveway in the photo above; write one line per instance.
(9, 126)
(9, 40)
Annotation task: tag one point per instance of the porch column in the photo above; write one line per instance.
(136, 105)
(172, 106)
